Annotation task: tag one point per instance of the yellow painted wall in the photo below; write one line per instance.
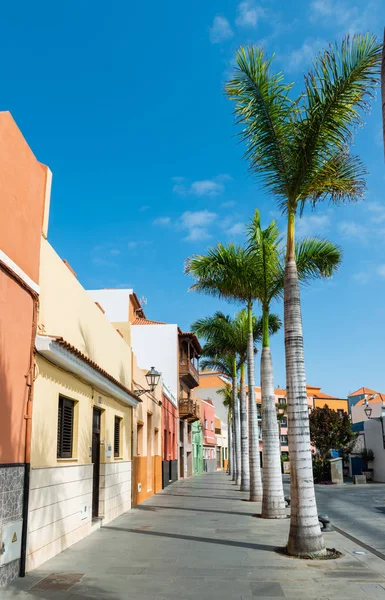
(334, 404)
(67, 310)
(52, 381)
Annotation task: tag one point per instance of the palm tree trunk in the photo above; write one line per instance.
(237, 428)
(305, 535)
(254, 457)
(229, 444)
(273, 504)
(383, 89)
(245, 468)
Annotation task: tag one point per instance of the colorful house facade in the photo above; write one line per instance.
(209, 439)
(122, 308)
(82, 422)
(25, 192)
(170, 438)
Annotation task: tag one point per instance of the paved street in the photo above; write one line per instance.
(357, 509)
(198, 539)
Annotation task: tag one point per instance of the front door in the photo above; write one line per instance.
(95, 460)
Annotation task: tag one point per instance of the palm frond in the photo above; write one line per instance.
(341, 178)
(338, 91)
(262, 106)
(317, 258)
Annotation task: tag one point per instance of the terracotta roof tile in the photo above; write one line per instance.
(373, 399)
(361, 391)
(140, 321)
(93, 364)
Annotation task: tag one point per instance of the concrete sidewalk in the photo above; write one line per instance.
(197, 539)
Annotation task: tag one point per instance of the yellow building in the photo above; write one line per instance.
(339, 405)
(82, 416)
(123, 308)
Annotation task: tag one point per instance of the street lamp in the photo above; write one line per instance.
(152, 378)
(368, 410)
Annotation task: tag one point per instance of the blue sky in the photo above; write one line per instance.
(125, 104)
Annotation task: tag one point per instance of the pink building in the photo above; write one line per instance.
(209, 439)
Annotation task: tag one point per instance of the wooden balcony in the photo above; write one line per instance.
(188, 373)
(189, 410)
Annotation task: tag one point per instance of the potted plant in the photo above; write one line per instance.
(367, 456)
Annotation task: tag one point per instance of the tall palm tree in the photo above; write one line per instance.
(315, 258)
(224, 364)
(218, 333)
(227, 394)
(300, 149)
(226, 272)
(238, 342)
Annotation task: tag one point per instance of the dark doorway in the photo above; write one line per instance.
(96, 460)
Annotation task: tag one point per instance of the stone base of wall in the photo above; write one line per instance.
(11, 509)
(115, 490)
(56, 517)
(142, 487)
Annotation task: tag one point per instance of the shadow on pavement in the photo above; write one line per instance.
(154, 508)
(193, 538)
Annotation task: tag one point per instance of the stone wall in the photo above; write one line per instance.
(11, 509)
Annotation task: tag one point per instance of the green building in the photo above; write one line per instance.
(197, 447)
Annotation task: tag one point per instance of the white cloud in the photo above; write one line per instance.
(346, 16)
(377, 210)
(220, 31)
(353, 230)
(228, 204)
(144, 207)
(114, 251)
(248, 14)
(204, 187)
(236, 229)
(163, 221)
(302, 57)
(312, 225)
(381, 271)
(196, 224)
(362, 277)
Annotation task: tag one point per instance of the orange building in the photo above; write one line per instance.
(24, 192)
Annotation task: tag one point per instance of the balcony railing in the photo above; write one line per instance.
(188, 373)
(189, 410)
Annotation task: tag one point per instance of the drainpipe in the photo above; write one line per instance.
(29, 376)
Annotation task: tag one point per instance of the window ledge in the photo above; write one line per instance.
(118, 457)
(67, 459)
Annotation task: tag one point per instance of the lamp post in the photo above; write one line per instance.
(368, 412)
(152, 378)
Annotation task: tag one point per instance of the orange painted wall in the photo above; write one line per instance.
(22, 193)
(333, 403)
(16, 310)
(139, 475)
(22, 199)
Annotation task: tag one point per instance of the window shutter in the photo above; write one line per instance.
(117, 437)
(65, 428)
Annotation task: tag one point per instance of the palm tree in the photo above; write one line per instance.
(315, 258)
(218, 333)
(238, 343)
(224, 364)
(300, 149)
(227, 393)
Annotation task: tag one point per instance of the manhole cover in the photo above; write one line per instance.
(141, 527)
(58, 581)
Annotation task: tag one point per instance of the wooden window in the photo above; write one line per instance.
(117, 426)
(65, 426)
